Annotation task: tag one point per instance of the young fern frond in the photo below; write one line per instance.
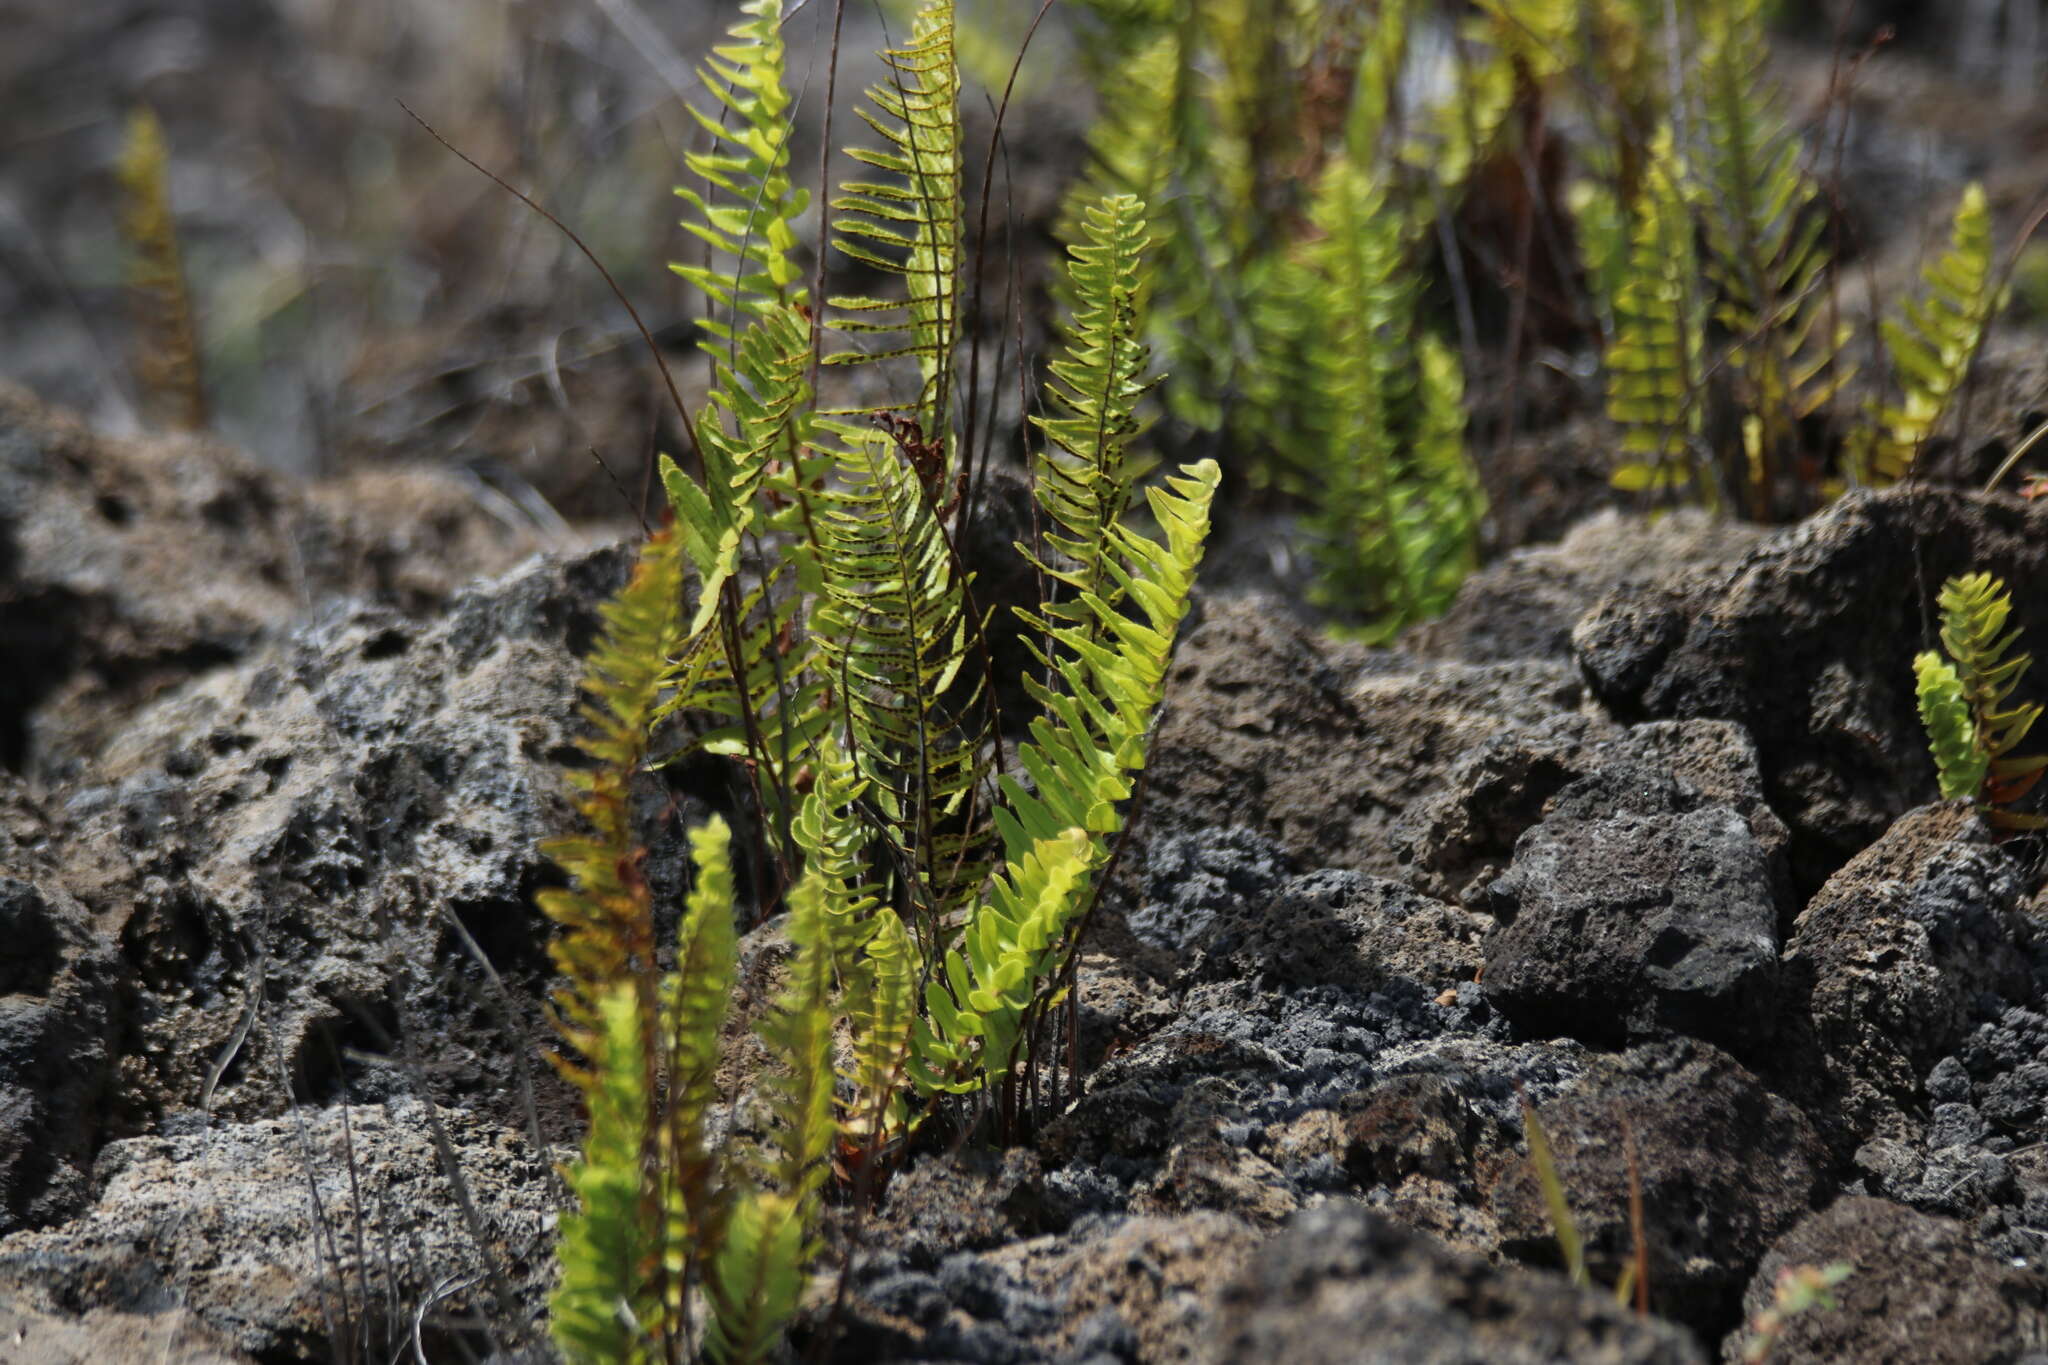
(749, 218)
(908, 224)
(1951, 731)
(605, 912)
(696, 998)
(835, 839)
(1654, 359)
(757, 1277)
(766, 398)
(798, 1035)
(609, 1248)
(1397, 512)
(883, 1010)
(1933, 348)
(1974, 610)
(167, 344)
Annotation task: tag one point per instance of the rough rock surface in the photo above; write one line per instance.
(1320, 747)
(1524, 605)
(59, 1024)
(1724, 1167)
(282, 1234)
(1916, 939)
(1636, 907)
(1920, 1292)
(320, 827)
(128, 566)
(1344, 1286)
(1809, 646)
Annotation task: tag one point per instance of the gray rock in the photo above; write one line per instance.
(1320, 747)
(223, 1225)
(129, 566)
(1344, 1286)
(1920, 1292)
(1459, 840)
(1908, 946)
(1636, 907)
(1809, 646)
(1524, 605)
(60, 1024)
(1723, 1165)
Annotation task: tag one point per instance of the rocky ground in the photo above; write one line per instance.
(1638, 834)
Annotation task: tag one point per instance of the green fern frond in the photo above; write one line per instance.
(835, 839)
(750, 220)
(1085, 474)
(757, 1278)
(909, 224)
(883, 1012)
(696, 998)
(608, 1248)
(798, 1036)
(894, 634)
(1933, 348)
(1951, 733)
(1654, 360)
(765, 397)
(1397, 502)
(1763, 243)
(1083, 752)
(974, 1022)
(605, 912)
(1974, 612)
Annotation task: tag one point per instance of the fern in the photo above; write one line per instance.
(167, 345)
(607, 1248)
(883, 1009)
(757, 1277)
(696, 998)
(605, 912)
(1933, 348)
(765, 397)
(752, 221)
(1654, 361)
(894, 632)
(1083, 752)
(1951, 732)
(1764, 250)
(908, 226)
(1086, 472)
(1397, 517)
(1974, 611)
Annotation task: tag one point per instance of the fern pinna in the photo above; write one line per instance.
(1973, 725)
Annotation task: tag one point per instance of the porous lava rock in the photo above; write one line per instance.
(1524, 605)
(128, 566)
(1724, 1166)
(1636, 907)
(1345, 1286)
(1320, 747)
(1918, 938)
(273, 1232)
(1808, 644)
(1920, 1290)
